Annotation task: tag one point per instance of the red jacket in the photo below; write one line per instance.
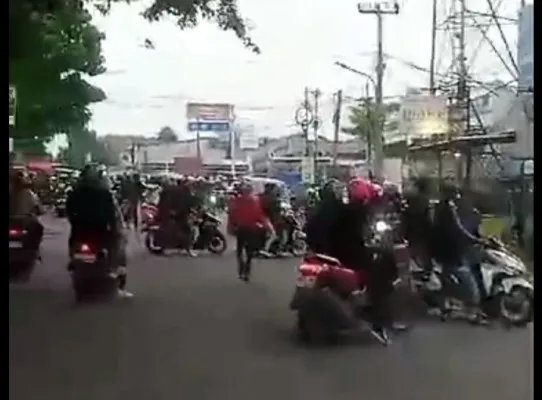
(246, 212)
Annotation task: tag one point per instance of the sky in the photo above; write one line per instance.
(300, 40)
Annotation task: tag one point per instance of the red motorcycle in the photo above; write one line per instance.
(330, 299)
(148, 214)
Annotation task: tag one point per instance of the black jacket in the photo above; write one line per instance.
(91, 208)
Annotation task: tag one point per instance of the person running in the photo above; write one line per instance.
(247, 219)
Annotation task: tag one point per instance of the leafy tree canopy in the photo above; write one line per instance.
(49, 56)
(167, 134)
(364, 119)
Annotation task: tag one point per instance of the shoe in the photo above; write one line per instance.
(124, 294)
(246, 278)
(399, 327)
(192, 253)
(266, 254)
(381, 335)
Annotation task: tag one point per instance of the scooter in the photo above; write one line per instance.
(330, 299)
(91, 270)
(168, 236)
(507, 287)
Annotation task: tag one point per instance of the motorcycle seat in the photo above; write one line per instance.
(326, 259)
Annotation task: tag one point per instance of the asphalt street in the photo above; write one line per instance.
(193, 331)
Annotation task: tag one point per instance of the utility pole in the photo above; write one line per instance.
(369, 114)
(198, 142)
(337, 129)
(316, 126)
(378, 142)
(305, 126)
(463, 102)
(432, 88)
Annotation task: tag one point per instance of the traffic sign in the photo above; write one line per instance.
(207, 126)
(303, 115)
(12, 104)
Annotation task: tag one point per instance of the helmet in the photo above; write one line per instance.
(361, 190)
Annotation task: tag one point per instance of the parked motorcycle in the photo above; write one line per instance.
(507, 286)
(168, 236)
(22, 259)
(92, 271)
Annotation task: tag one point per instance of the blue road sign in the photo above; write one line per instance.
(209, 126)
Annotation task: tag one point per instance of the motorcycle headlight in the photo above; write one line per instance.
(212, 199)
(381, 227)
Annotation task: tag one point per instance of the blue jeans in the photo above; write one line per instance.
(467, 279)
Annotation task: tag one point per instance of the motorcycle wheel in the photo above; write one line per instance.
(516, 308)
(151, 245)
(313, 330)
(299, 247)
(217, 243)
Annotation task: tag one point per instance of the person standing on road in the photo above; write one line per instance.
(247, 219)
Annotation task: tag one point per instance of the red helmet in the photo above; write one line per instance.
(361, 190)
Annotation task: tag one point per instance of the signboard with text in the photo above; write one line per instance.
(422, 116)
(209, 117)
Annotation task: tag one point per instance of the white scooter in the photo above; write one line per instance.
(507, 283)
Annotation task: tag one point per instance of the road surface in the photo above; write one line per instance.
(195, 332)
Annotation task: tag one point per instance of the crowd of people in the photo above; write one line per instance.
(447, 236)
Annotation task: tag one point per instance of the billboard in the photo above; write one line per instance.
(525, 55)
(209, 117)
(422, 116)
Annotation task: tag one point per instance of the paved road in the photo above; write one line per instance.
(195, 332)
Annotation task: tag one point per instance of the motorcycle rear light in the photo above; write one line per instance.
(14, 232)
(85, 248)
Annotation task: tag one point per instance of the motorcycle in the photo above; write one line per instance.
(148, 216)
(22, 259)
(92, 272)
(209, 237)
(507, 286)
(331, 299)
(296, 244)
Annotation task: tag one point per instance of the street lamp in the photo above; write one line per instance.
(356, 71)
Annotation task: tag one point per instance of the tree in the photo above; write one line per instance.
(166, 134)
(49, 55)
(365, 120)
(83, 143)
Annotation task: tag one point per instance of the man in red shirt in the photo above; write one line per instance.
(247, 219)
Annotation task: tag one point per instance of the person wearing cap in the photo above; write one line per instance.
(247, 219)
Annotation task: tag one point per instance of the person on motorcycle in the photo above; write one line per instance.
(133, 195)
(24, 206)
(320, 223)
(247, 219)
(92, 211)
(417, 223)
(452, 245)
(270, 203)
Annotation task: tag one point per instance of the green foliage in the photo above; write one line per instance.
(365, 119)
(49, 56)
(166, 134)
(85, 142)
(188, 13)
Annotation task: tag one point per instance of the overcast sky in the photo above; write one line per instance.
(300, 40)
